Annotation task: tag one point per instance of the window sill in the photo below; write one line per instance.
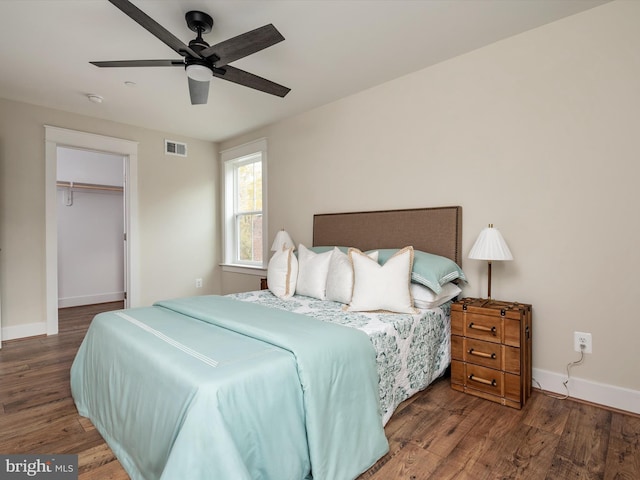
(245, 269)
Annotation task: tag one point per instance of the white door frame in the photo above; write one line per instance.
(55, 137)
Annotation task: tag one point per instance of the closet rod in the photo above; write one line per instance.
(89, 186)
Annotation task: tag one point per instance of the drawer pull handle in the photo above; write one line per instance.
(482, 328)
(492, 356)
(493, 382)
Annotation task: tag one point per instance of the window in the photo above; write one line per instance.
(244, 205)
(248, 209)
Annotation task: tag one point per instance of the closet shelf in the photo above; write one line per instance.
(89, 186)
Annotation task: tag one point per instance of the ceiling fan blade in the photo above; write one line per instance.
(198, 91)
(250, 80)
(140, 63)
(243, 45)
(154, 27)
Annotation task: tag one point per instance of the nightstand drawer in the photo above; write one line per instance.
(484, 379)
(480, 352)
(487, 380)
(491, 325)
(488, 354)
(484, 327)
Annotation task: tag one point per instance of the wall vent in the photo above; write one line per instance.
(175, 148)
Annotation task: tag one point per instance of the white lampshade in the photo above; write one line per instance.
(200, 73)
(282, 240)
(490, 245)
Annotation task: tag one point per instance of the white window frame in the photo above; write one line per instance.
(230, 160)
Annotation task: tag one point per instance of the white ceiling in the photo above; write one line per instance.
(333, 48)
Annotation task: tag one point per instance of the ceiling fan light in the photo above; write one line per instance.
(199, 72)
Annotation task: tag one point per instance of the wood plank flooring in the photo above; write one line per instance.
(437, 434)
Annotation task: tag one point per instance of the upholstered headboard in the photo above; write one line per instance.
(435, 230)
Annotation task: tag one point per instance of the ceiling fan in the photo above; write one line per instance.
(201, 60)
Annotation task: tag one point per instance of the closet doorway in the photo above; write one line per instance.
(127, 150)
(91, 227)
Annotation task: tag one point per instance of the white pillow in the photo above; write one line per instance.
(282, 273)
(312, 272)
(382, 287)
(340, 277)
(424, 297)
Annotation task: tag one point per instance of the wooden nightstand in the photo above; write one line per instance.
(263, 284)
(491, 350)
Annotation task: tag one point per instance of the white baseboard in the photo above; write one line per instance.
(590, 391)
(33, 329)
(21, 331)
(90, 299)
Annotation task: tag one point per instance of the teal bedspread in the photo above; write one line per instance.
(213, 388)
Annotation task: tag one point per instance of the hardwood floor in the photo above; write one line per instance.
(437, 434)
(37, 413)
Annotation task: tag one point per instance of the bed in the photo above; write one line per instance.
(254, 386)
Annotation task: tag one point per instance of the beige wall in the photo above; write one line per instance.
(178, 210)
(537, 134)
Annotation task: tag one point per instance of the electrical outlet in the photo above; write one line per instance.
(581, 338)
(198, 283)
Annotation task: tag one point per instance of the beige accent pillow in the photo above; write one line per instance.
(282, 273)
(312, 272)
(382, 287)
(340, 277)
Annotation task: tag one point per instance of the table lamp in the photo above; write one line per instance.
(282, 240)
(490, 246)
